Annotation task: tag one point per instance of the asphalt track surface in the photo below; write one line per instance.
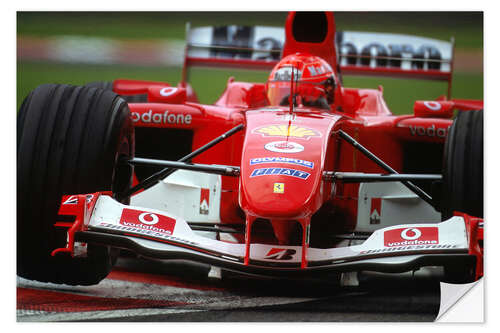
(150, 291)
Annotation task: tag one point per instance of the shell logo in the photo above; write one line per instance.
(292, 131)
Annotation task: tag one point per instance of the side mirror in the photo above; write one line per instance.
(433, 109)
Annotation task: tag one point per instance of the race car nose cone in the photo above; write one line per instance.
(282, 163)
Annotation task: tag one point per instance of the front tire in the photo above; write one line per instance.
(463, 166)
(69, 141)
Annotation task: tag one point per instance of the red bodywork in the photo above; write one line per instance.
(361, 113)
(475, 232)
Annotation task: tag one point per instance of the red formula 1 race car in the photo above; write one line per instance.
(298, 176)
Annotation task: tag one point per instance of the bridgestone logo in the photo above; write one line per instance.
(280, 254)
(150, 233)
(409, 248)
(147, 227)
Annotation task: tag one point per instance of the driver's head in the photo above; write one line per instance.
(314, 81)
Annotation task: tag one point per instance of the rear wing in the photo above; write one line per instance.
(359, 53)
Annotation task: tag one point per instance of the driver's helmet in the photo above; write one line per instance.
(313, 79)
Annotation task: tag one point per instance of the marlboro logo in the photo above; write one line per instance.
(204, 201)
(375, 210)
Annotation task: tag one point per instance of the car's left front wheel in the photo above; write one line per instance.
(70, 140)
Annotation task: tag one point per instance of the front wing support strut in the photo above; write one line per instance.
(225, 170)
(155, 178)
(360, 177)
(305, 224)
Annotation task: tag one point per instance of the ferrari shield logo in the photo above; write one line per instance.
(292, 131)
(279, 188)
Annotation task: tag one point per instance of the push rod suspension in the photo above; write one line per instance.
(224, 170)
(358, 177)
(156, 177)
(412, 187)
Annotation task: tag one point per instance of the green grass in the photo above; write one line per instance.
(467, 27)
(210, 83)
(135, 25)
(400, 94)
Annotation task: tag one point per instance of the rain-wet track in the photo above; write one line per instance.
(143, 290)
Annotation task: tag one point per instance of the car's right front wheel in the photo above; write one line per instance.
(463, 179)
(463, 166)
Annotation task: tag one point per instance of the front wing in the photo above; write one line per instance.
(156, 234)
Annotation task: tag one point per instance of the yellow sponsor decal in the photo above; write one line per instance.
(279, 188)
(292, 131)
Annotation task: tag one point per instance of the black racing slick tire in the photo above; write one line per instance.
(108, 85)
(463, 166)
(70, 140)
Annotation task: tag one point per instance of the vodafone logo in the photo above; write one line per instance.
(165, 117)
(433, 106)
(142, 220)
(430, 131)
(169, 91)
(148, 218)
(411, 236)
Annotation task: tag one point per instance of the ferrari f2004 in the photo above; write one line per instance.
(296, 176)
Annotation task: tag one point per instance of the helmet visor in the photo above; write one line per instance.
(278, 92)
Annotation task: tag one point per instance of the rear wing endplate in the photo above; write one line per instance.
(359, 53)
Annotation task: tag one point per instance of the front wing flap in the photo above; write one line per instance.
(157, 234)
